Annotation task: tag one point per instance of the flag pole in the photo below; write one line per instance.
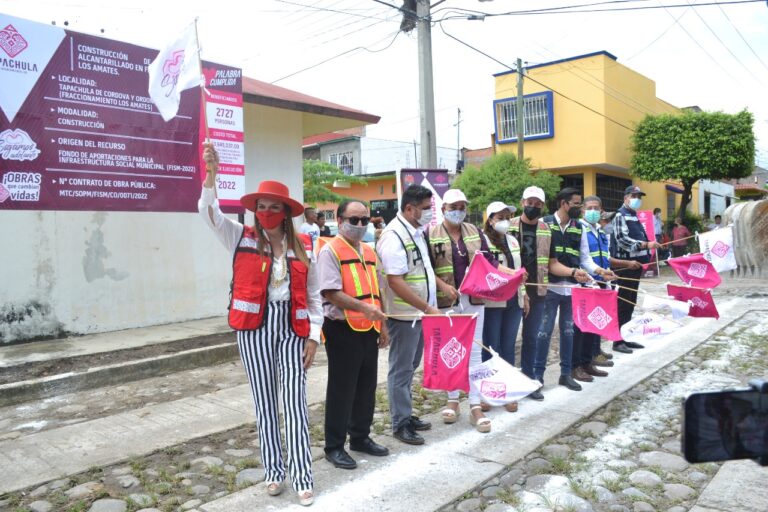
(202, 86)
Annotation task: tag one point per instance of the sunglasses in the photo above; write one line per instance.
(358, 221)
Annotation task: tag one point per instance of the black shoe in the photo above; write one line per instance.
(340, 459)
(537, 395)
(417, 424)
(407, 435)
(368, 446)
(632, 344)
(606, 355)
(567, 381)
(622, 347)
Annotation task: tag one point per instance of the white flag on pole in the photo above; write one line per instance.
(176, 68)
(717, 247)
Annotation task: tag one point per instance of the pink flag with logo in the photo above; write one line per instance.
(447, 345)
(695, 270)
(483, 281)
(702, 305)
(597, 311)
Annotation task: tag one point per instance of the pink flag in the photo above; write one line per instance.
(447, 344)
(701, 301)
(485, 282)
(597, 311)
(695, 270)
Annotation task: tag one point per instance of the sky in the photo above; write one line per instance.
(351, 51)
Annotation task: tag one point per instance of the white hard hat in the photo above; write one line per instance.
(534, 192)
(454, 195)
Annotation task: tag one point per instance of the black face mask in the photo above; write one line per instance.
(532, 212)
(574, 212)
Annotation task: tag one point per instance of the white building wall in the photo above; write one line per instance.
(718, 192)
(381, 155)
(85, 272)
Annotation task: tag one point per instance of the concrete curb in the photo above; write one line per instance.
(119, 373)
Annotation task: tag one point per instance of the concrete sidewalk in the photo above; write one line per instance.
(739, 485)
(15, 355)
(457, 458)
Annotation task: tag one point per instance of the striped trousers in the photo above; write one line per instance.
(273, 360)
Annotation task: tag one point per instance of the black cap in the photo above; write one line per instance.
(633, 189)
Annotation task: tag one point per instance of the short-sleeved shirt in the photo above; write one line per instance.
(329, 272)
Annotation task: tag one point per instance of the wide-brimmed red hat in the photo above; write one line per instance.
(272, 190)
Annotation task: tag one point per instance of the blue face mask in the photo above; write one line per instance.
(455, 216)
(635, 203)
(592, 216)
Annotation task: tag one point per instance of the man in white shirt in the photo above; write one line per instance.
(410, 291)
(310, 227)
(717, 224)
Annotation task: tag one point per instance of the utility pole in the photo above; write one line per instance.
(520, 111)
(426, 88)
(458, 137)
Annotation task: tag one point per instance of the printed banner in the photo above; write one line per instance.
(447, 345)
(653, 303)
(596, 311)
(701, 303)
(483, 281)
(717, 247)
(695, 270)
(78, 130)
(499, 383)
(647, 327)
(435, 180)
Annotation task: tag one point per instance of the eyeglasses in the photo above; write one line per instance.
(358, 221)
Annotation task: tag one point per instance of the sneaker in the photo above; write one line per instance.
(606, 355)
(601, 360)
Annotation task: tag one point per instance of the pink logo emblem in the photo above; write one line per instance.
(697, 270)
(172, 70)
(495, 281)
(11, 41)
(599, 318)
(698, 303)
(651, 330)
(720, 249)
(4, 193)
(496, 390)
(17, 145)
(453, 353)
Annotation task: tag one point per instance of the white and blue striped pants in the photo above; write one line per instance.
(273, 359)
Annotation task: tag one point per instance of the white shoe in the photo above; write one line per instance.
(274, 488)
(306, 498)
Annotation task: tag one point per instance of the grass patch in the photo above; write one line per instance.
(79, 506)
(172, 451)
(586, 492)
(248, 462)
(137, 466)
(560, 466)
(509, 497)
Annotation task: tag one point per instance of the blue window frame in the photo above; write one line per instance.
(538, 115)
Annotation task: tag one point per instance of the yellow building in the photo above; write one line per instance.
(579, 115)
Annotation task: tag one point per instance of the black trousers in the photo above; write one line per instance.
(629, 293)
(351, 393)
(586, 345)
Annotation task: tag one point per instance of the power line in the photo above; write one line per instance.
(742, 38)
(677, 20)
(327, 9)
(537, 82)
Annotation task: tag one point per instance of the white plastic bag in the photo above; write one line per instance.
(499, 383)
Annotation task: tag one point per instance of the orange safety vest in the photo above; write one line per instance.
(358, 279)
(250, 279)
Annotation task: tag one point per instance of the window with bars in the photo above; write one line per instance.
(343, 161)
(538, 117)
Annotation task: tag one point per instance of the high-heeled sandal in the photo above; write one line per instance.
(483, 425)
(306, 498)
(274, 488)
(449, 414)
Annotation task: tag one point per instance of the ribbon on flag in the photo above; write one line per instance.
(648, 327)
(653, 303)
(702, 305)
(499, 383)
(485, 282)
(695, 270)
(175, 69)
(596, 311)
(447, 345)
(717, 247)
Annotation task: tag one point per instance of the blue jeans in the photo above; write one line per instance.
(500, 330)
(531, 325)
(553, 302)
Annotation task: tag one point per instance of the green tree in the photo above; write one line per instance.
(319, 176)
(502, 178)
(693, 146)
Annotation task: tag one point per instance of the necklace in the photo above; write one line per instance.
(279, 269)
(455, 241)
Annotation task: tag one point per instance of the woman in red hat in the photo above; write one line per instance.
(275, 308)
